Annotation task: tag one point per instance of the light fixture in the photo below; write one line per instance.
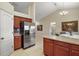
(52, 23)
(63, 12)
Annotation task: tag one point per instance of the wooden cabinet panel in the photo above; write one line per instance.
(48, 47)
(48, 40)
(26, 19)
(59, 48)
(17, 42)
(60, 51)
(48, 50)
(61, 43)
(75, 47)
(74, 53)
(16, 22)
(74, 50)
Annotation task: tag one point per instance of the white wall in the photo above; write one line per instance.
(55, 17)
(30, 14)
(31, 11)
(7, 11)
(16, 13)
(71, 16)
(7, 7)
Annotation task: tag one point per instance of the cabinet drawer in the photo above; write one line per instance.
(61, 44)
(48, 40)
(74, 53)
(60, 51)
(75, 47)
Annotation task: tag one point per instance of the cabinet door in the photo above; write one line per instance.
(48, 50)
(48, 47)
(26, 19)
(74, 50)
(60, 51)
(17, 42)
(74, 53)
(16, 22)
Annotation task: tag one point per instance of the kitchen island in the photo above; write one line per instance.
(60, 46)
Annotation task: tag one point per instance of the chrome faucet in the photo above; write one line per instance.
(70, 33)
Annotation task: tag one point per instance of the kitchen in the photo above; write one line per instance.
(42, 30)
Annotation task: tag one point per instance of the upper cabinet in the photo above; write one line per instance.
(17, 20)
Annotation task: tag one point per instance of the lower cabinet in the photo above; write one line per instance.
(57, 48)
(74, 53)
(48, 47)
(60, 51)
(49, 50)
(17, 42)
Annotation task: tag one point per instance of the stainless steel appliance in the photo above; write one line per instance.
(27, 31)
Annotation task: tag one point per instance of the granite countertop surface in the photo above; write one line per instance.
(17, 34)
(63, 39)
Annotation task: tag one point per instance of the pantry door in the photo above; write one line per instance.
(6, 33)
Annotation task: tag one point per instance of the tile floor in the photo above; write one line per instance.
(36, 50)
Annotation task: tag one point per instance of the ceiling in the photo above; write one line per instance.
(43, 9)
(21, 6)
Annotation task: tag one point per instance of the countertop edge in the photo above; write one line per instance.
(67, 40)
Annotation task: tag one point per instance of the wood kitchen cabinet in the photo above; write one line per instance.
(74, 51)
(16, 22)
(61, 48)
(58, 48)
(17, 42)
(60, 51)
(48, 47)
(17, 39)
(18, 19)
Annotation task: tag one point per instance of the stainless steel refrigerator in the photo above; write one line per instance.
(27, 31)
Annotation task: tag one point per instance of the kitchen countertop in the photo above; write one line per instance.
(63, 39)
(17, 34)
(70, 36)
